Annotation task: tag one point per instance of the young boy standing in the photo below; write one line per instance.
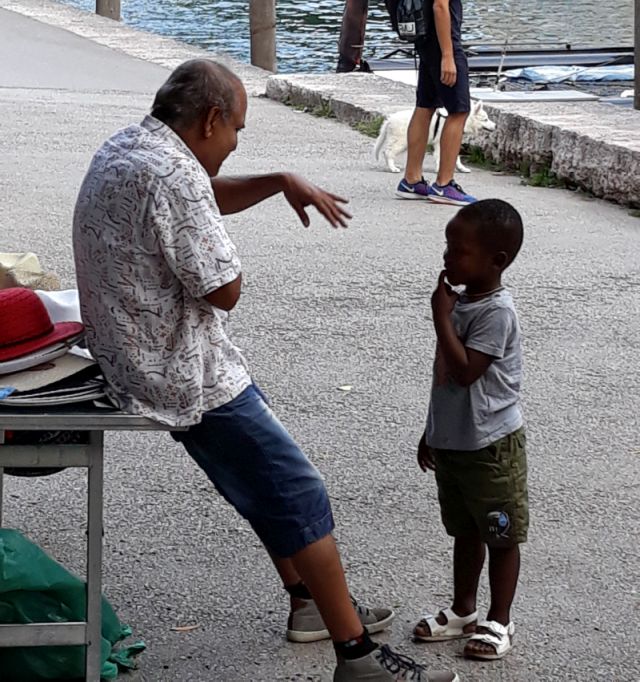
(474, 439)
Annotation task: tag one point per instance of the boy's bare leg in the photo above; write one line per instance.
(318, 565)
(468, 560)
(504, 569)
(417, 139)
(450, 144)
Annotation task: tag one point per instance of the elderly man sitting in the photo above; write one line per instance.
(157, 273)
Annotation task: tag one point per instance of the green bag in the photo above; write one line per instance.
(36, 589)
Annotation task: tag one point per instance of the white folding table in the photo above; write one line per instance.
(95, 421)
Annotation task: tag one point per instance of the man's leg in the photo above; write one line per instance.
(320, 568)
(417, 139)
(450, 144)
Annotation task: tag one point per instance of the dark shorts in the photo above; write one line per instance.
(431, 93)
(258, 468)
(485, 491)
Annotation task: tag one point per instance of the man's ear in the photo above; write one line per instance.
(211, 120)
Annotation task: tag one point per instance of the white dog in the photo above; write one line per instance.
(392, 139)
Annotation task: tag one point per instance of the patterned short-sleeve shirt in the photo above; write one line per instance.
(149, 244)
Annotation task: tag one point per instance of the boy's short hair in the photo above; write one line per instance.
(498, 225)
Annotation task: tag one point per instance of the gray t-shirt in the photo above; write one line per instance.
(472, 417)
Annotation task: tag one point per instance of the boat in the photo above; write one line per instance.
(486, 59)
(499, 73)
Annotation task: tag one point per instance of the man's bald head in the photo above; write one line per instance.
(192, 90)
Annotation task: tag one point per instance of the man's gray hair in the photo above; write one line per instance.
(192, 90)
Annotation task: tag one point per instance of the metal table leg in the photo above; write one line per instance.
(94, 556)
(1, 477)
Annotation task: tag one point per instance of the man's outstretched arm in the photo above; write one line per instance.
(234, 194)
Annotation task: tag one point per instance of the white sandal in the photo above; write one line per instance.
(496, 635)
(452, 629)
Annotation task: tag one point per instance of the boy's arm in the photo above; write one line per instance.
(442, 19)
(464, 364)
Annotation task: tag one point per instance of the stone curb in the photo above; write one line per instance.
(592, 145)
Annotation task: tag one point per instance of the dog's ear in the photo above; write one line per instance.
(477, 106)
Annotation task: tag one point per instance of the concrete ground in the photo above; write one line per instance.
(322, 309)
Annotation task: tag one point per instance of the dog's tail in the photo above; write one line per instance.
(381, 140)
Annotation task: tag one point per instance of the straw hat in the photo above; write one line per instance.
(24, 270)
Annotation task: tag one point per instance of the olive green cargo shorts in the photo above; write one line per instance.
(485, 491)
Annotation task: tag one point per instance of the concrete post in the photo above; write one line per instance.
(262, 26)
(636, 100)
(108, 8)
(354, 22)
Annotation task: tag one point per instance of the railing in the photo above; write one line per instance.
(262, 27)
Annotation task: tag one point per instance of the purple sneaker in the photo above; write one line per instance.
(415, 190)
(451, 193)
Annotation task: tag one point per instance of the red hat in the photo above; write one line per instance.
(25, 325)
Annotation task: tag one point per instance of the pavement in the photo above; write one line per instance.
(322, 309)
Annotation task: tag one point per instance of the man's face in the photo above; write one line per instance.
(221, 134)
(466, 260)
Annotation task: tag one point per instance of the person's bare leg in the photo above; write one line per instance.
(286, 571)
(318, 565)
(468, 559)
(504, 569)
(417, 139)
(450, 144)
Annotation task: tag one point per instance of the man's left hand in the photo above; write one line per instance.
(300, 193)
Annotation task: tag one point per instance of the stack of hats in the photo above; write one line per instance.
(38, 365)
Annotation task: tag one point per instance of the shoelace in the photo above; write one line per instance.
(398, 664)
(365, 611)
(455, 185)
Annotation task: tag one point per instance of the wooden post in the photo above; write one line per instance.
(108, 8)
(262, 26)
(636, 58)
(354, 23)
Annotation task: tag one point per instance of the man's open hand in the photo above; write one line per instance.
(300, 194)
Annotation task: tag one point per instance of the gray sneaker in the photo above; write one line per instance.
(306, 624)
(386, 665)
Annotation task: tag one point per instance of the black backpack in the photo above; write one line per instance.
(409, 18)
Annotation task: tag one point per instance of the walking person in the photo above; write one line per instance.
(443, 81)
(157, 274)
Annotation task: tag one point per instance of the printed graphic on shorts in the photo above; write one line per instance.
(499, 525)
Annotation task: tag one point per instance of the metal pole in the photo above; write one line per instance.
(636, 58)
(108, 8)
(354, 23)
(262, 26)
(94, 555)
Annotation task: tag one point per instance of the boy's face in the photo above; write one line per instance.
(466, 260)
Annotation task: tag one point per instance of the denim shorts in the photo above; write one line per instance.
(257, 467)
